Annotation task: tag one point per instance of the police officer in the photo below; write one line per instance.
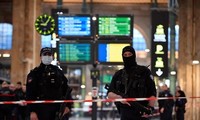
(180, 105)
(133, 81)
(166, 105)
(47, 82)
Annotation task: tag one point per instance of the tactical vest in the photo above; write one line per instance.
(133, 84)
(49, 83)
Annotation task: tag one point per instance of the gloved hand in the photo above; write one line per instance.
(151, 109)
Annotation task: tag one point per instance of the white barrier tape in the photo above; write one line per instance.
(95, 100)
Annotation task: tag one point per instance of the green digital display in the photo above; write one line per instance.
(115, 26)
(75, 52)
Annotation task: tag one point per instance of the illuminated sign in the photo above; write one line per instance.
(159, 47)
(74, 26)
(115, 26)
(74, 52)
(110, 52)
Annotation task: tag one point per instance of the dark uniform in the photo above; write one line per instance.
(134, 81)
(180, 105)
(46, 82)
(167, 104)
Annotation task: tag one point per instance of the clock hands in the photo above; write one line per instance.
(45, 24)
(47, 20)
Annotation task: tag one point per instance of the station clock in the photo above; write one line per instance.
(45, 24)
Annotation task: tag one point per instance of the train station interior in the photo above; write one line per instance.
(21, 41)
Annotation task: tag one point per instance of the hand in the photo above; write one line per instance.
(176, 108)
(162, 110)
(23, 103)
(67, 110)
(150, 108)
(125, 102)
(33, 116)
(146, 115)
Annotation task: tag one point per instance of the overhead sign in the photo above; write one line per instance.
(159, 46)
(115, 26)
(74, 52)
(111, 52)
(74, 26)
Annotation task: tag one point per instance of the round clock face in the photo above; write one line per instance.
(45, 24)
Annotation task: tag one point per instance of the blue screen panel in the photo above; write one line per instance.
(71, 26)
(102, 52)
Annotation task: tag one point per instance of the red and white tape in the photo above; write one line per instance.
(95, 100)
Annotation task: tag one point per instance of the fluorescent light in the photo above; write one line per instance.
(94, 18)
(195, 62)
(6, 55)
(147, 50)
(82, 86)
(173, 72)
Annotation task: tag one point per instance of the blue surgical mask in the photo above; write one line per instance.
(47, 60)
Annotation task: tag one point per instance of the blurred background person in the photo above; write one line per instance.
(180, 104)
(7, 94)
(21, 95)
(165, 105)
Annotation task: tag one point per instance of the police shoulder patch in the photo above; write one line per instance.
(151, 76)
(29, 80)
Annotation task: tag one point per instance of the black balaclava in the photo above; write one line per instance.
(129, 62)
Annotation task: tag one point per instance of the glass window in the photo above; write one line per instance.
(176, 38)
(139, 43)
(46, 41)
(6, 30)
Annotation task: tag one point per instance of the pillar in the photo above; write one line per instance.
(188, 74)
(26, 42)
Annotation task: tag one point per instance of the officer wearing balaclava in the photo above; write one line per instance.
(133, 81)
(129, 58)
(47, 82)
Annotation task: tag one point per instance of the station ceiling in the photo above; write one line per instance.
(111, 1)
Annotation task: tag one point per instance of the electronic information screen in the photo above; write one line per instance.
(111, 52)
(115, 26)
(74, 26)
(74, 52)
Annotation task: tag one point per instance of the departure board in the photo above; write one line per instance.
(115, 26)
(75, 52)
(110, 52)
(74, 26)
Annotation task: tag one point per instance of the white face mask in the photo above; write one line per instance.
(47, 60)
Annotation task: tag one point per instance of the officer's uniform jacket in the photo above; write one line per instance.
(46, 82)
(139, 83)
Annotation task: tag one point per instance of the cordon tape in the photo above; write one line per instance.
(89, 100)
